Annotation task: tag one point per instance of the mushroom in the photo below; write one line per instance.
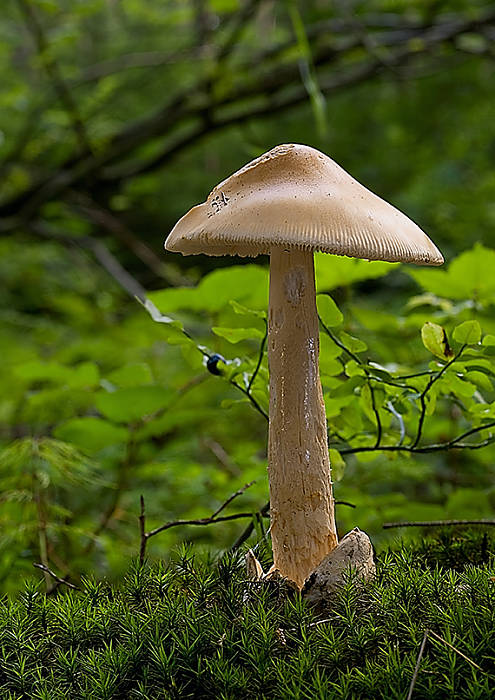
(288, 203)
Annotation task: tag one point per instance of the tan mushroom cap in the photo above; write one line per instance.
(297, 196)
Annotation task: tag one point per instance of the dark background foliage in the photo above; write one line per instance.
(116, 118)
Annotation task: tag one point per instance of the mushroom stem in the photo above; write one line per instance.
(301, 502)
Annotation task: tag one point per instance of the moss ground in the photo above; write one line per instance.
(198, 629)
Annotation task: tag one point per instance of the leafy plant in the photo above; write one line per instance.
(101, 420)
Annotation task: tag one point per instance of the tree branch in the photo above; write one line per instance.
(59, 580)
(437, 523)
(279, 88)
(35, 28)
(103, 217)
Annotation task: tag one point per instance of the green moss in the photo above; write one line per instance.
(198, 629)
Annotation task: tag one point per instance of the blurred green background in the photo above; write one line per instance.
(119, 115)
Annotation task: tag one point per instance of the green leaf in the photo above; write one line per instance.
(244, 311)
(353, 369)
(338, 271)
(37, 371)
(484, 411)
(450, 382)
(328, 349)
(366, 401)
(469, 276)
(247, 284)
(133, 403)
(480, 379)
(435, 340)
(91, 434)
(489, 340)
(234, 335)
(85, 374)
(337, 464)
(333, 406)
(353, 344)
(136, 374)
(329, 366)
(328, 311)
(468, 333)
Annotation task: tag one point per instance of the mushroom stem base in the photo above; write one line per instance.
(301, 502)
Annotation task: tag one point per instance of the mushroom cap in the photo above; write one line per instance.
(294, 195)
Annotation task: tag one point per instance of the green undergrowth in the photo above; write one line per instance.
(198, 629)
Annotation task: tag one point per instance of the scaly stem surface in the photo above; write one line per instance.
(301, 502)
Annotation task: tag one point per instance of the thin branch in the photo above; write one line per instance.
(245, 534)
(260, 357)
(59, 580)
(142, 531)
(199, 521)
(358, 360)
(35, 28)
(437, 523)
(279, 87)
(229, 500)
(106, 259)
(428, 387)
(222, 456)
(418, 662)
(345, 503)
(210, 520)
(473, 431)
(105, 218)
(251, 398)
(377, 416)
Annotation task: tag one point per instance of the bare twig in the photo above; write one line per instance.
(229, 500)
(222, 456)
(418, 662)
(377, 416)
(142, 531)
(402, 427)
(345, 503)
(437, 523)
(59, 580)
(215, 517)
